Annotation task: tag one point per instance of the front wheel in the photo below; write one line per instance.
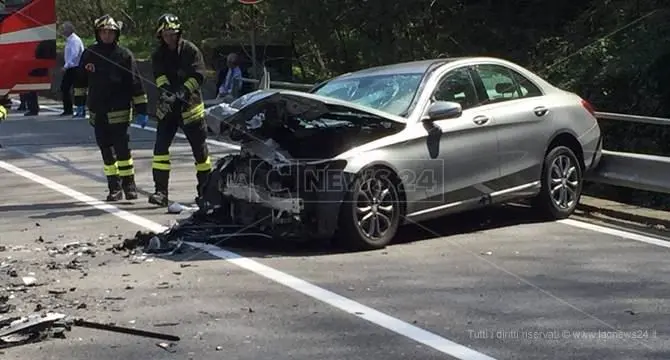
(561, 184)
(370, 214)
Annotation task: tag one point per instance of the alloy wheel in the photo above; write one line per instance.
(375, 208)
(564, 182)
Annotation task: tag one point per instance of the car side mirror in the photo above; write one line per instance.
(442, 110)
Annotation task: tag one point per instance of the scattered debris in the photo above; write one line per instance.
(177, 208)
(114, 298)
(169, 347)
(122, 330)
(30, 329)
(166, 324)
(29, 281)
(38, 327)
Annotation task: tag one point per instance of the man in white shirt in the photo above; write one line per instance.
(74, 47)
(230, 86)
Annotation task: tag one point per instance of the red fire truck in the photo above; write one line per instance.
(27, 45)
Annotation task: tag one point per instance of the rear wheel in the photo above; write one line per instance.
(370, 214)
(561, 184)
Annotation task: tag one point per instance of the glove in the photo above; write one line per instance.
(142, 120)
(167, 98)
(183, 94)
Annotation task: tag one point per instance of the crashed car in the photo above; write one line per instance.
(366, 152)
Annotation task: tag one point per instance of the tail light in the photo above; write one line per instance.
(588, 107)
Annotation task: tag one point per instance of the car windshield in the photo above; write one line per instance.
(391, 93)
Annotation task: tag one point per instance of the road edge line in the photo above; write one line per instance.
(616, 232)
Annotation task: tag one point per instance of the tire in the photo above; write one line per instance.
(385, 209)
(550, 206)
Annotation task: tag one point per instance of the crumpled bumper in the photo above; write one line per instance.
(304, 210)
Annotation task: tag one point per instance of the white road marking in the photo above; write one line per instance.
(153, 129)
(182, 136)
(571, 222)
(378, 318)
(616, 232)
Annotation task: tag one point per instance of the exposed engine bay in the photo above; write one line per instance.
(284, 181)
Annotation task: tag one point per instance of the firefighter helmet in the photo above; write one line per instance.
(107, 22)
(168, 22)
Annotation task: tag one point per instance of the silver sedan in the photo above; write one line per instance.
(415, 141)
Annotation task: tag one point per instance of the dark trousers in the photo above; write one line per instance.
(113, 141)
(31, 102)
(196, 134)
(66, 85)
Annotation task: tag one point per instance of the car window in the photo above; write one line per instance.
(527, 88)
(457, 86)
(498, 83)
(392, 93)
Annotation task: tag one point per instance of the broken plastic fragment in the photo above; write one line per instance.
(175, 208)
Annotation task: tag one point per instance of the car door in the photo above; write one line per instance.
(468, 144)
(520, 110)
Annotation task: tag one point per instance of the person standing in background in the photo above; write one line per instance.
(74, 47)
(230, 87)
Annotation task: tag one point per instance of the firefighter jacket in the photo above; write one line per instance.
(3, 113)
(181, 70)
(112, 84)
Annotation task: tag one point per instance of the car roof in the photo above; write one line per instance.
(410, 67)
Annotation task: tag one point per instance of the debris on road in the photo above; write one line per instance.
(30, 329)
(199, 227)
(39, 327)
(169, 347)
(122, 330)
(34, 279)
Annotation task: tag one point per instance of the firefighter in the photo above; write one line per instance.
(179, 71)
(109, 81)
(3, 113)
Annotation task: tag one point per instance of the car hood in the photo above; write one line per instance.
(308, 106)
(300, 126)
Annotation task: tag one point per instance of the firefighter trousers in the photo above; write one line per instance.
(196, 134)
(113, 141)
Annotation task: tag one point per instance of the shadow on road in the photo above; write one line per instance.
(470, 222)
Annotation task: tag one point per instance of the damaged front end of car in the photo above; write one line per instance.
(292, 201)
(287, 181)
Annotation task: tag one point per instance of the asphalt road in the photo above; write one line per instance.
(492, 284)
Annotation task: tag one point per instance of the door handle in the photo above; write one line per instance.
(481, 119)
(540, 110)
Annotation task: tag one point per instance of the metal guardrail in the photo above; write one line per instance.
(631, 170)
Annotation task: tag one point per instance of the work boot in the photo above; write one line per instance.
(159, 198)
(115, 190)
(161, 181)
(129, 187)
(202, 178)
